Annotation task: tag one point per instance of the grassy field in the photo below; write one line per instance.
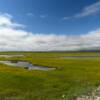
(72, 77)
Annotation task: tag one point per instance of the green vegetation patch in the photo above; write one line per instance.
(72, 77)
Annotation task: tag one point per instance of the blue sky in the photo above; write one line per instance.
(46, 16)
(48, 25)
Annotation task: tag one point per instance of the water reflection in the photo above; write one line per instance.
(26, 65)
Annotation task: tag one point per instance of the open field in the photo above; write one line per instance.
(72, 77)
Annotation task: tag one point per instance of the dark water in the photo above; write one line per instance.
(26, 65)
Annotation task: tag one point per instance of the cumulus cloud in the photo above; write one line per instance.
(6, 21)
(14, 38)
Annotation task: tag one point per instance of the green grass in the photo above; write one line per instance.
(72, 77)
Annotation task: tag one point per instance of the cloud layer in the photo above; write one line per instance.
(14, 38)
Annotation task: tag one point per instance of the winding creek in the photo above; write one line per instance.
(26, 65)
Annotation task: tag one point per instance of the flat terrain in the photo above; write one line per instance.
(71, 78)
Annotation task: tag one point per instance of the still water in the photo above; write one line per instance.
(26, 65)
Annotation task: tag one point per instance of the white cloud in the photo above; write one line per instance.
(6, 21)
(43, 16)
(66, 18)
(89, 10)
(86, 11)
(12, 38)
(30, 14)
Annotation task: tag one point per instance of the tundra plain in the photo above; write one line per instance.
(75, 74)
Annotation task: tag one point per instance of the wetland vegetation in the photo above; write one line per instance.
(71, 78)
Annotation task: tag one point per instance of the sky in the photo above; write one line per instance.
(49, 25)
